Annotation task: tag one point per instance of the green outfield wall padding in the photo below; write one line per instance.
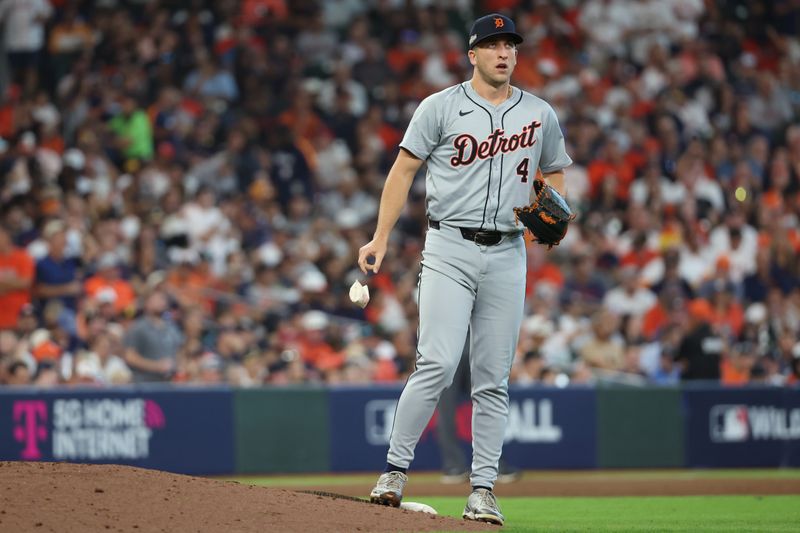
(281, 430)
(639, 428)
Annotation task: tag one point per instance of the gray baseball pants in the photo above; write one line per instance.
(464, 286)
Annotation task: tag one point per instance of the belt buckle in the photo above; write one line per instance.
(487, 238)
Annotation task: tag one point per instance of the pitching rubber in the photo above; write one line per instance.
(418, 507)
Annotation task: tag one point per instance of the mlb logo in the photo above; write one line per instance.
(379, 418)
(729, 423)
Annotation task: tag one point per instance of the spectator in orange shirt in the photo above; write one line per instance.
(108, 279)
(737, 366)
(16, 277)
(611, 162)
(301, 118)
(314, 347)
(728, 315)
(407, 54)
(43, 347)
(188, 281)
(663, 314)
(540, 270)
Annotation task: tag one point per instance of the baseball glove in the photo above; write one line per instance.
(548, 216)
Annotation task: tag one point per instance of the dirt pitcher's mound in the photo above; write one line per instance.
(81, 498)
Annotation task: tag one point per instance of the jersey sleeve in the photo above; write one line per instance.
(554, 153)
(424, 131)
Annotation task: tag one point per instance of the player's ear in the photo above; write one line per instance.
(471, 56)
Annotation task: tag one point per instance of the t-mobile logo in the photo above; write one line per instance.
(30, 426)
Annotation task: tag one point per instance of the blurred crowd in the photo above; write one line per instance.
(185, 186)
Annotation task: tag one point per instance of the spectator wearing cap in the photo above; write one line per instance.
(719, 276)
(57, 274)
(314, 347)
(701, 349)
(16, 279)
(384, 366)
(108, 286)
(43, 347)
(728, 318)
(737, 365)
(152, 342)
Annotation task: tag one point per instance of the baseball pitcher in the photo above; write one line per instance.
(483, 141)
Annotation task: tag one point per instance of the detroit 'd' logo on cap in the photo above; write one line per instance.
(468, 148)
(498, 22)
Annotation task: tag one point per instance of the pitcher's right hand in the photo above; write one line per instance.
(374, 249)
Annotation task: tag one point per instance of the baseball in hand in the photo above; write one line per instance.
(359, 294)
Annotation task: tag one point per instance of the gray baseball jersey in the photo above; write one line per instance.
(482, 158)
(481, 163)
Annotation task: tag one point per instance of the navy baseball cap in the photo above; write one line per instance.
(491, 25)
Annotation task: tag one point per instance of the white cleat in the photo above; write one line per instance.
(389, 489)
(482, 507)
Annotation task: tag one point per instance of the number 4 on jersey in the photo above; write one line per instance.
(522, 170)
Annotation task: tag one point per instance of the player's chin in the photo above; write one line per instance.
(501, 77)
(502, 73)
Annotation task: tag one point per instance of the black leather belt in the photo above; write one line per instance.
(479, 236)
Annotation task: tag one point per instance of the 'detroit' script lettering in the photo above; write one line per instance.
(468, 148)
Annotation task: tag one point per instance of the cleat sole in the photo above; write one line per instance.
(487, 518)
(389, 499)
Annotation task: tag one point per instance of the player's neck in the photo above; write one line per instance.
(494, 95)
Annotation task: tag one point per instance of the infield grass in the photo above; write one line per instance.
(308, 480)
(663, 513)
(659, 513)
